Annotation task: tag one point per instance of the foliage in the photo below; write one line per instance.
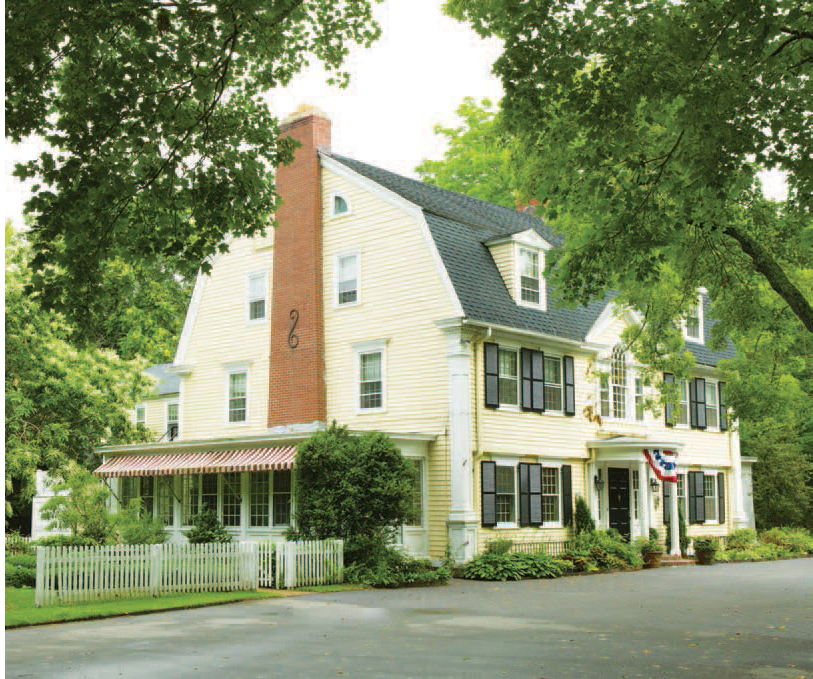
(15, 544)
(705, 544)
(68, 541)
(83, 509)
(134, 527)
(60, 401)
(161, 141)
(648, 167)
(795, 540)
(742, 538)
(584, 520)
(396, 569)
(475, 162)
(356, 488)
(503, 566)
(499, 546)
(601, 550)
(20, 576)
(206, 528)
(650, 545)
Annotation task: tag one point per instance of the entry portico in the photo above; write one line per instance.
(623, 491)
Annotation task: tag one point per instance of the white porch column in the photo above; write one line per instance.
(462, 520)
(738, 516)
(674, 529)
(592, 495)
(645, 508)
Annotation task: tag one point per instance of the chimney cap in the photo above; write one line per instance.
(303, 111)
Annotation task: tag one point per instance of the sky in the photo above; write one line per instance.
(411, 79)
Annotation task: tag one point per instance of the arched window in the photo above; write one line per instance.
(340, 205)
(618, 382)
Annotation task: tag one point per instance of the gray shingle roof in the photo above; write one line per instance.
(165, 382)
(460, 225)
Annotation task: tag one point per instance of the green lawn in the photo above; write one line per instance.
(20, 610)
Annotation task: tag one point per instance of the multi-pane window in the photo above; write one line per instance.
(553, 383)
(529, 275)
(371, 384)
(604, 394)
(693, 322)
(258, 499)
(232, 499)
(166, 499)
(190, 498)
(256, 295)
(172, 421)
(711, 404)
(681, 491)
(508, 377)
(282, 497)
(208, 492)
(550, 495)
(237, 397)
(710, 493)
(128, 490)
(618, 383)
(639, 398)
(147, 488)
(141, 416)
(683, 413)
(347, 279)
(505, 497)
(636, 493)
(417, 492)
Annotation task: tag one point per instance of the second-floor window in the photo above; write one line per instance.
(711, 404)
(509, 377)
(347, 279)
(172, 421)
(553, 383)
(255, 296)
(141, 416)
(238, 390)
(371, 383)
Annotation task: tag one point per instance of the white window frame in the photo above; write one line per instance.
(683, 405)
(420, 462)
(249, 298)
(546, 464)
(336, 270)
(511, 407)
(631, 373)
(167, 421)
(140, 408)
(700, 320)
(712, 474)
(512, 464)
(236, 370)
(332, 208)
(518, 261)
(711, 383)
(561, 385)
(373, 347)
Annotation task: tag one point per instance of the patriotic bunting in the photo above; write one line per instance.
(663, 463)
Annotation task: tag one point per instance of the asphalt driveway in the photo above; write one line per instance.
(737, 620)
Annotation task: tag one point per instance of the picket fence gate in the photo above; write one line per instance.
(75, 574)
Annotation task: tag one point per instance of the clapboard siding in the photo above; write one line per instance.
(503, 256)
(222, 338)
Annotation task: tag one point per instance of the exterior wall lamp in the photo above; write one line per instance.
(653, 484)
(598, 482)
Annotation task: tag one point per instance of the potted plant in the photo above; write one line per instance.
(651, 549)
(705, 549)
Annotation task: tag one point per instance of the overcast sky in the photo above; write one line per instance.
(414, 77)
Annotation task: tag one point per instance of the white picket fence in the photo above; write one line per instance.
(306, 563)
(75, 574)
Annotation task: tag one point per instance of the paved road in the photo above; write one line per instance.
(738, 620)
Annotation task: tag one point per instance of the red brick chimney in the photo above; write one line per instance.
(297, 368)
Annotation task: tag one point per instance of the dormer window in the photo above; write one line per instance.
(341, 205)
(529, 275)
(692, 323)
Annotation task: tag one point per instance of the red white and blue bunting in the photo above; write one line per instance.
(663, 463)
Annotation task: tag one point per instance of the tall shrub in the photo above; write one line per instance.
(584, 520)
(357, 488)
(84, 509)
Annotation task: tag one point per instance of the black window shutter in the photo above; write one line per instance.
(527, 382)
(667, 501)
(721, 497)
(697, 397)
(488, 493)
(491, 355)
(524, 493)
(668, 414)
(570, 385)
(538, 380)
(697, 497)
(567, 495)
(535, 494)
(723, 408)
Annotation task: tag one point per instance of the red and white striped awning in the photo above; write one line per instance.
(208, 462)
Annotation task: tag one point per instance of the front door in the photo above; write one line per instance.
(618, 499)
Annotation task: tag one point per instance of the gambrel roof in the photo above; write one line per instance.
(460, 227)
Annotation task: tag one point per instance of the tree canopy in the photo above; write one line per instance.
(160, 141)
(642, 127)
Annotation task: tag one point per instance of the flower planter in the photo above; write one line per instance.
(652, 559)
(704, 557)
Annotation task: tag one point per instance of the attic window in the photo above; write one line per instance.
(531, 290)
(692, 323)
(340, 205)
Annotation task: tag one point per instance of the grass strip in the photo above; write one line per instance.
(20, 610)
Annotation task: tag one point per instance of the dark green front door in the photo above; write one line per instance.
(618, 499)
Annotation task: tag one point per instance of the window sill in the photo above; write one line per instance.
(506, 526)
(346, 305)
(509, 408)
(370, 411)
